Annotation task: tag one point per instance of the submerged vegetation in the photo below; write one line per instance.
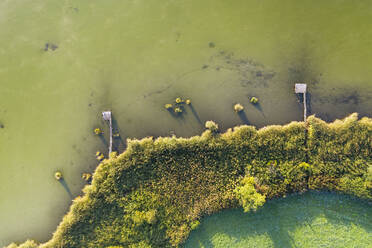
(155, 193)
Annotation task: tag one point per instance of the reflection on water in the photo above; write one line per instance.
(63, 62)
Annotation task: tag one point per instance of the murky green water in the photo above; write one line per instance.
(307, 221)
(62, 62)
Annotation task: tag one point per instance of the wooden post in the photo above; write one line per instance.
(107, 117)
(110, 148)
(301, 88)
(305, 110)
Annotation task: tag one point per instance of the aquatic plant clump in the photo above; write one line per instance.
(238, 107)
(168, 106)
(98, 131)
(156, 192)
(99, 156)
(212, 126)
(86, 176)
(254, 100)
(178, 110)
(58, 175)
(179, 100)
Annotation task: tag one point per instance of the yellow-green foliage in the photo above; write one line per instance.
(248, 197)
(179, 100)
(238, 107)
(154, 193)
(97, 131)
(254, 100)
(211, 125)
(58, 175)
(27, 244)
(168, 106)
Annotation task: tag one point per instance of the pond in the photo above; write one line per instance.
(309, 220)
(64, 62)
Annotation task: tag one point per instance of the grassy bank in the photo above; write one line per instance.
(312, 219)
(155, 193)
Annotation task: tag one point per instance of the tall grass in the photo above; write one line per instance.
(155, 192)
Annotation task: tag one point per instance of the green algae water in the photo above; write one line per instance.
(310, 220)
(62, 62)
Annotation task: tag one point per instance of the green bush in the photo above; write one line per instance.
(254, 100)
(247, 195)
(27, 244)
(211, 125)
(154, 193)
(238, 107)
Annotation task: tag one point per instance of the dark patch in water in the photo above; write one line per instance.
(157, 91)
(50, 46)
(53, 47)
(195, 114)
(2, 125)
(251, 73)
(348, 98)
(243, 117)
(90, 105)
(205, 67)
(211, 45)
(66, 187)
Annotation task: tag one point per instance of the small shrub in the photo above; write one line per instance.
(168, 106)
(100, 156)
(247, 195)
(86, 176)
(238, 107)
(212, 126)
(179, 100)
(178, 110)
(195, 224)
(97, 131)
(58, 175)
(254, 100)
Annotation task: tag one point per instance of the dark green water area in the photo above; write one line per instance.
(308, 220)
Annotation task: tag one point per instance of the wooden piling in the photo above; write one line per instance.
(106, 115)
(305, 110)
(301, 88)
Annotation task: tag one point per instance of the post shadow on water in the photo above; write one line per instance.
(103, 140)
(118, 142)
(243, 117)
(300, 98)
(178, 116)
(258, 107)
(65, 186)
(195, 113)
(280, 218)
